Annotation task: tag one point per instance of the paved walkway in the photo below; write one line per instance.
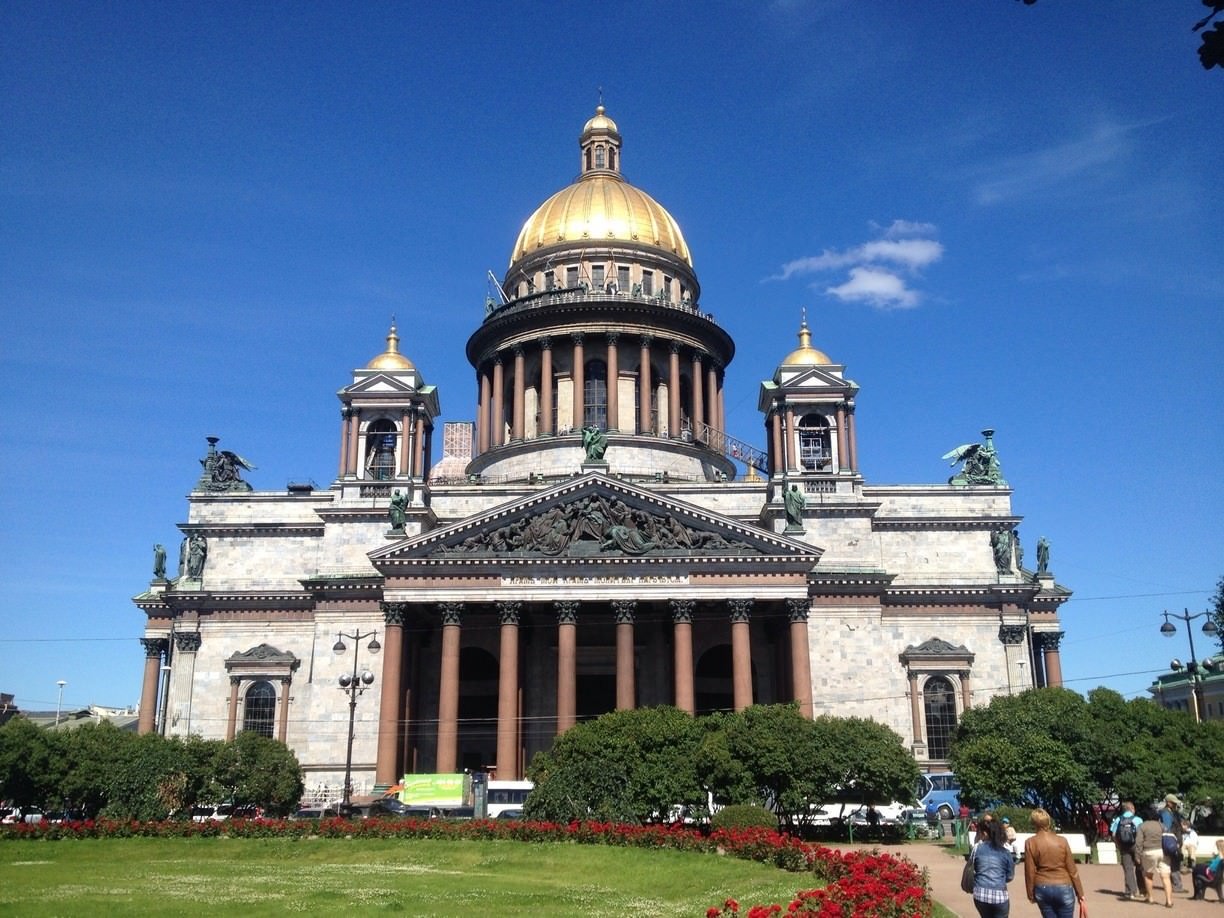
(1102, 887)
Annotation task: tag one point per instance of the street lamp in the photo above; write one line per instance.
(354, 685)
(59, 702)
(1168, 629)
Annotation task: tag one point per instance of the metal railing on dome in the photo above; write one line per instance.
(583, 294)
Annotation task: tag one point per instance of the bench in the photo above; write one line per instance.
(1076, 841)
(1205, 850)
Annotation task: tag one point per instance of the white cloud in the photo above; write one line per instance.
(877, 268)
(881, 289)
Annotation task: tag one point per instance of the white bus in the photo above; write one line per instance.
(507, 795)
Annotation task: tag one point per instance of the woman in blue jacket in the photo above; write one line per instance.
(993, 868)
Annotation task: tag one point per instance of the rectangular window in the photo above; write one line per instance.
(622, 278)
(647, 283)
(550, 280)
(571, 278)
(667, 282)
(597, 276)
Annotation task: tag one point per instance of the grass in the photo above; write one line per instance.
(140, 876)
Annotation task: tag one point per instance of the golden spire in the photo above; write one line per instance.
(805, 354)
(391, 358)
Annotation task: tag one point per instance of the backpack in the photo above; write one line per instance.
(1125, 834)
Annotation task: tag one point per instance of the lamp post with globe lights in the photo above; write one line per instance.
(355, 685)
(1192, 666)
(59, 701)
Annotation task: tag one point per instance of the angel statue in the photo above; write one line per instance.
(594, 442)
(981, 463)
(221, 470)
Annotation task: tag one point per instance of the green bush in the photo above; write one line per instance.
(744, 816)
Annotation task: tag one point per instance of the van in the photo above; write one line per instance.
(938, 794)
(507, 795)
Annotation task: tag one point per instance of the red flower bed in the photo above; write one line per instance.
(859, 884)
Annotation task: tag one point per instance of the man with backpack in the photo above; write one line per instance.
(1125, 832)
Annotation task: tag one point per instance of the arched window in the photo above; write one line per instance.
(588, 159)
(815, 450)
(612, 158)
(651, 424)
(939, 703)
(595, 395)
(599, 156)
(380, 450)
(259, 711)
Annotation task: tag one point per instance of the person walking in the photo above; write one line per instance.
(1156, 863)
(1125, 832)
(1171, 821)
(1050, 876)
(993, 868)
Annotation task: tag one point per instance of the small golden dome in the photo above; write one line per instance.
(391, 358)
(805, 355)
(601, 207)
(600, 122)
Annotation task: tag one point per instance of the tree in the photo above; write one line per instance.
(1217, 610)
(252, 769)
(626, 766)
(30, 763)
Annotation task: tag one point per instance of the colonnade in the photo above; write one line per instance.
(414, 436)
(784, 435)
(495, 426)
(393, 719)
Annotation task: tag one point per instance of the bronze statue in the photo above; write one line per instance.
(398, 511)
(221, 470)
(595, 442)
(197, 554)
(1001, 545)
(981, 463)
(794, 501)
(159, 561)
(1043, 555)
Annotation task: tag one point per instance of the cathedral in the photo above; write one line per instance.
(596, 540)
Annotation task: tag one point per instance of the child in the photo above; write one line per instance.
(1210, 874)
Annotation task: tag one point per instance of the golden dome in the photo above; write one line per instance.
(391, 358)
(600, 122)
(601, 207)
(805, 355)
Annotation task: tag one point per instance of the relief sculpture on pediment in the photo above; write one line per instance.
(594, 525)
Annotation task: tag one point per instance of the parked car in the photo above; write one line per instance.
(315, 812)
(458, 812)
(393, 808)
(515, 813)
(30, 815)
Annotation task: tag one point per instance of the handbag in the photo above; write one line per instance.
(1169, 844)
(967, 875)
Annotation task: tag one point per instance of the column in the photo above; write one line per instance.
(354, 468)
(966, 693)
(231, 724)
(613, 383)
(507, 693)
(567, 664)
(421, 447)
(915, 708)
(682, 637)
(790, 460)
(448, 689)
(673, 391)
(497, 419)
(801, 659)
(516, 411)
(644, 386)
(344, 434)
(624, 610)
(1050, 657)
(389, 714)
(153, 648)
(741, 653)
(698, 412)
(851, 436)
(282, 719)
(843, 459)
(711, 397)
(722, 399)
(482, 413)
(778, 463)
(579, 376)
(545, 400)
(407, 443)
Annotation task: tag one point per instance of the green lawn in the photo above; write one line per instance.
(141, 876)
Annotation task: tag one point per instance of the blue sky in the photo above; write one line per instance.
(996, 215)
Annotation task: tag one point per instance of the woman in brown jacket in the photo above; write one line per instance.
(1050, 877)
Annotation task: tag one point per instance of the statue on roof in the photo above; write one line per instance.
(221, 470)
(794, 501)
(981, 463)
(1001, 547)
(1043, 555)
(397, 512)
(595, 442)
(159, 561)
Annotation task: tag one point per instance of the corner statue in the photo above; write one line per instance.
(221, 470)
(1043, 555)
(397, 513)
(595, 442)
(794, 501)
(159, 561)
(981, 463)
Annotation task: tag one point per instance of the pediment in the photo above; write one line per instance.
(818, 377)
(936, 648)
(597, 518)
(264, 654)
(382, 384)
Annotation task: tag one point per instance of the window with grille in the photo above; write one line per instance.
(595, 395)
(380, 450)
(814, 444)
(259, 711)
(939, 703)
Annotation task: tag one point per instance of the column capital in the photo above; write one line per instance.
(347, 411)
(576, 337)
(497, 359)
(567, 611)
(235, 681)
(394, 613)
(517, 350)
(741, 609)
(155, 647)
(508, 611)
(1049, 640)
(797, 609)
(625, 611)
(682, 611)
(545, 343)
(187, 641)
(647, 340)
(1012, 634)
(674, 347)
(613, 337)
(452, 612)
